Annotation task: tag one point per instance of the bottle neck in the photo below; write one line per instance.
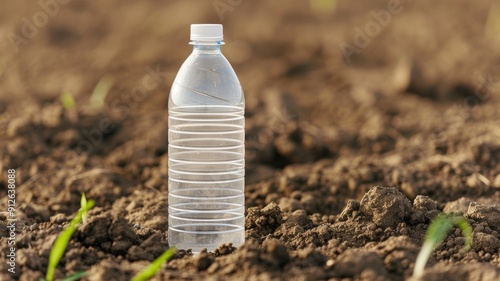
(206, 47)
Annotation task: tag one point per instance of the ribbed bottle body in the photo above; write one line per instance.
(206, 175)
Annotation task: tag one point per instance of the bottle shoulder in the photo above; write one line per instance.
(210, 62)
(206, 79)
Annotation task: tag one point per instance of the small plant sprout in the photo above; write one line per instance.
(76, 276)
(62, 242)
(100, 92)
(323, 5)
(492, 27)
(436, 233)
(151, 270)
(67, 100)
(83, 206)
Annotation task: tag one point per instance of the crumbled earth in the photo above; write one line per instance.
(350, 156)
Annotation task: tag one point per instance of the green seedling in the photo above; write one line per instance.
(73, 277)
(492, 27)
(436, 233)
(151, 270)
(62, 242)
(83, 206)
(76, 276)
(323, 5)
(100, 92)
(67, 100)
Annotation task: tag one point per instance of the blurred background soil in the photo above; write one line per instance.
(341, 96)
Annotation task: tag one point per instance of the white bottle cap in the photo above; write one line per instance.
(206, 32)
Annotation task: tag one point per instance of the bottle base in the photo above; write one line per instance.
(198, 237)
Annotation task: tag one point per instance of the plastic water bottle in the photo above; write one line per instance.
(206, 150)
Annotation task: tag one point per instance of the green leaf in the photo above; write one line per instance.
(62, 241)
(492, 26)
(75, 276)
(151, 270)
(436, 233)
(100, 92)
(67, 100)
(438, 230)
(466, 229)
(83, 204)
(323, 6)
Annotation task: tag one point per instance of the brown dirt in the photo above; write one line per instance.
(347, 162)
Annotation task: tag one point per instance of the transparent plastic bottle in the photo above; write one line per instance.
(206, 175)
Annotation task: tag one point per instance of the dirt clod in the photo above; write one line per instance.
(278, 251)
(485, 242)
(488, 213)
(203, 260)
(267, 218)
(386, 206)
(352, 263)
(95, 232)
(290, 204)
